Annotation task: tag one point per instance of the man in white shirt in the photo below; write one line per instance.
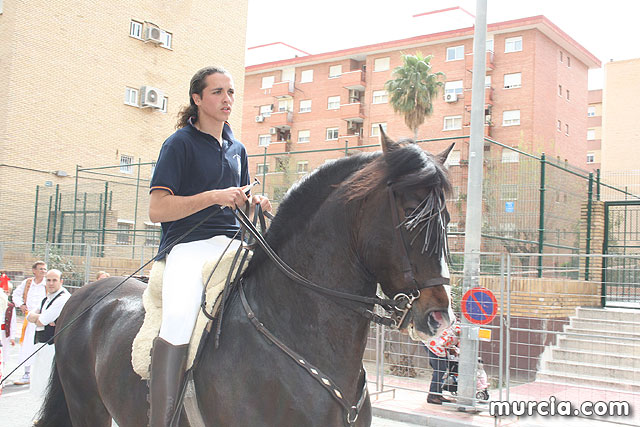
(27, 297)
(44, 319)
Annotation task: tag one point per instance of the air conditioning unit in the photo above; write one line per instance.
(272, 131)
(260, 118)
(154, 35)
(151, 97)
(451, 97)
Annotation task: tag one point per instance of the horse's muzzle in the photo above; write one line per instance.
(429, 325)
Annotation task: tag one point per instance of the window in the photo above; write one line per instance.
(508, 229)
(455, 53)
(285, 104)
(165, 104)
(263, 168)
(282, 164)
(510, 156)
(591, 112)
(559, 90)
(335, 71)
(591, 134)
(568, 97)
(265, 110)
(569, 61)
(559, 126)
(509, 191)
(333, 103)
(511, 118)
(375, 128)
(152, 234)
(305, 105)
(591, 157)
(131, 96)
(306, 76)
(332, 133)
(453, 87)
(513, 44)
(566, 129)
(303, 167)
(487, 81)
(560, 56)
(166, 39)
(135, 29)
(489, 45)
(381, 64)
(304, 135)
(453, 159)
(267, 82)
(452, 122)
(512, 81)
(452, 227)
(380, 97)
(124, 232)
(126, 164)
(264, 140)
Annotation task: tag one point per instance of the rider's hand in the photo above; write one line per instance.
(262, 201)
(232, 197)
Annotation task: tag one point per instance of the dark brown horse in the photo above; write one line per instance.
(361, 220)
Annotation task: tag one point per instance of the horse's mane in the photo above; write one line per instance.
(405, 166)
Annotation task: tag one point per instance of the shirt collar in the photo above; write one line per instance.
(227, 133)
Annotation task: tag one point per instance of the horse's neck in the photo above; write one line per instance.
(331, 335)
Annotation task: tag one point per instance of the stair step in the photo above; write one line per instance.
(619, 373)
(615, 346)
(619, 314)
(609, 325)
(603, 335)
(597, 357)
(589, 381)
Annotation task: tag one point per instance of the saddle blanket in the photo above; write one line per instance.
(152, 301)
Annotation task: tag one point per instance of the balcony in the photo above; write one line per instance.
(354, 140)
(353, 80)
(466, 130)
(281, 119)
(353, 112)
(283, 89)
(468, 61)
(488, 97)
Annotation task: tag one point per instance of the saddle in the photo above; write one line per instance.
(152, 302)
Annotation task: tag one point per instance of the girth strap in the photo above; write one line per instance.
(351, 411)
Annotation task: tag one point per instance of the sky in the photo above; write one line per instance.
(608, 29)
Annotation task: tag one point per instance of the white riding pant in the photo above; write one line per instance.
(183, 283)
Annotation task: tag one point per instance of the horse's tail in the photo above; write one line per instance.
(54, 411)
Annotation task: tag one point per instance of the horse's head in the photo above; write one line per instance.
(402, 232)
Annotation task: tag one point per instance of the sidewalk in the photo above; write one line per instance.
(412, 406)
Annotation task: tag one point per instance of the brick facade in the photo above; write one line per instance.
(65, 66)
(538, 99)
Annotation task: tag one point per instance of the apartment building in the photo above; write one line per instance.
(620, 163)
(594, 130)
(535, 94)
(87, 85)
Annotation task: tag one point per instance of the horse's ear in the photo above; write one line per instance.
(442, 157)
(386, 142)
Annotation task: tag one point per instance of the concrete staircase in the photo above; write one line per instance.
(600, 348)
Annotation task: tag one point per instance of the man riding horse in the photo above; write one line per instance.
(201, 165)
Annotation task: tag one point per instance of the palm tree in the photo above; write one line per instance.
(413, 90)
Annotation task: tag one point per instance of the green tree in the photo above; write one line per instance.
(413, 88)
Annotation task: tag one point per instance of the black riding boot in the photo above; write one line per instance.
(168, 365)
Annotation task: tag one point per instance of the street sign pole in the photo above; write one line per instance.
(469, 334)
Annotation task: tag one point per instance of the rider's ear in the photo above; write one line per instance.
(442, 157)
(385, 142)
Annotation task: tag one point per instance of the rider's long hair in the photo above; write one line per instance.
(197, 85)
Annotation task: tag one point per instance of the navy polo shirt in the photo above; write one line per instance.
(191, 162)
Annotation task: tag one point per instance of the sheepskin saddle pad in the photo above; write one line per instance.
(152, 301)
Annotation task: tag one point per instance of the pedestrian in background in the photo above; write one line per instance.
(44, 318)
(9, 326)
(102, 275)
(437, 349)
(27, 297)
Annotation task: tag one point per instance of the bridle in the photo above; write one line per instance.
(398, 307)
